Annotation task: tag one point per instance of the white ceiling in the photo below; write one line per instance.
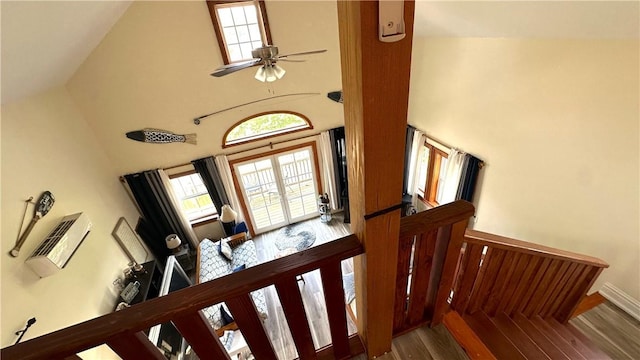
(44, 42)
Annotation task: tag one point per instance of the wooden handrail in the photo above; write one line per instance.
(180, 304)
(435, 218)
(505, 243)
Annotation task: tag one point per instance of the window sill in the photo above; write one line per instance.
(204, 220)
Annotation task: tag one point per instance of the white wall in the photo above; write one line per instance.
(556, 122)
(47, 145)
(152, 70)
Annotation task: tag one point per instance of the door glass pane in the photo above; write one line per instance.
(261, 191)
(297, 175)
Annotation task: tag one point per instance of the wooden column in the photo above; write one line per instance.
(375, 83)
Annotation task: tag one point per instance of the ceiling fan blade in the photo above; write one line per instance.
(302, 53)
(231, 68)
(291, 60)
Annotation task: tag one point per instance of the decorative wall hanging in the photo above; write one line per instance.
(197, 120)
(159, 136)
(45, 203)
(130, 243)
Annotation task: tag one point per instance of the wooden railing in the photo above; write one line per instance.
(428, 252)
(502, 275)
(123, 332)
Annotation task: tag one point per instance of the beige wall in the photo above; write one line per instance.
(47, 145)
(557, 123)
(152, 70)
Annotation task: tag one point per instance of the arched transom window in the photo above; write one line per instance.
(265, 125)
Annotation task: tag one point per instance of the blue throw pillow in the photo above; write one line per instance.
(240, 228)
(226, 317)
(241, 267)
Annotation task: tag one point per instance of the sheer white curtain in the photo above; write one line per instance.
(452, 176)
(328, 172)
(227, 181)
(186, 225)
(414, 172)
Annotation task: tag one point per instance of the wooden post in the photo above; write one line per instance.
(375, 83)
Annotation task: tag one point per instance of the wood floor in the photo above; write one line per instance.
(311, 290)
(612, 330)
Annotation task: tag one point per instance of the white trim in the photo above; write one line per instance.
(621, 299)
(438, 145)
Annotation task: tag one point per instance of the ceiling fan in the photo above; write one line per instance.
(265, 57)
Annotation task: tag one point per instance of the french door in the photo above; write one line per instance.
(279, 189)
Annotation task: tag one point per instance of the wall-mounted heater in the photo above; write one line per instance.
(59, 246)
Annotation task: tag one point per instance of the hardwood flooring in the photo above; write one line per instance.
(311, 290)
(424, 344)
(612, 330)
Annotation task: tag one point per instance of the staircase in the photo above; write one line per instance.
(517, 298)
(518, 337)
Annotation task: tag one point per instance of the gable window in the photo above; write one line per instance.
(193, 196)
(431, 170)
(265, 125)
(240, 27)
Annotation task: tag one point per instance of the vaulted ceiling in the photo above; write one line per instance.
(44, 42)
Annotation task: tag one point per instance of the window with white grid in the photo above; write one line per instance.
(240, 28)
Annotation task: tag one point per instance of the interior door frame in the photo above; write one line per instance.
(238, 188)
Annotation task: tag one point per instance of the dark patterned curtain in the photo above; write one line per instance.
(159, 216)
(208, 170)
(339, 150)
(470, 169)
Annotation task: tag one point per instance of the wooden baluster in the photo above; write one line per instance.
(402, 280)
(246, 316)
(422, 264)
(562, 284)
(200, 335)
(531, 289)
(548, 285)
(334, 299)
(580, 290)
(135, 347)
(538, 296)
(519, 268)
(448, 271)
(470, 267)
(526, 281)
(504, 275)
(492, 262)
(293, 307)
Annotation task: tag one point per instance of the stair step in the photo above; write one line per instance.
(466, 337)
(518, 337)
(495, 340)
(539, 338)
(580, 342)
(564, 345)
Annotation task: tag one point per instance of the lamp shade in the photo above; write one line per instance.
(228, 214)
(173, 241)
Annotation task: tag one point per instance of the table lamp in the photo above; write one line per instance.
(173, 242)
(228, 219)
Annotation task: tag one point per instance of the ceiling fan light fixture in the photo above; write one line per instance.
(269, 73)
(278, 71)
(261, 74)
